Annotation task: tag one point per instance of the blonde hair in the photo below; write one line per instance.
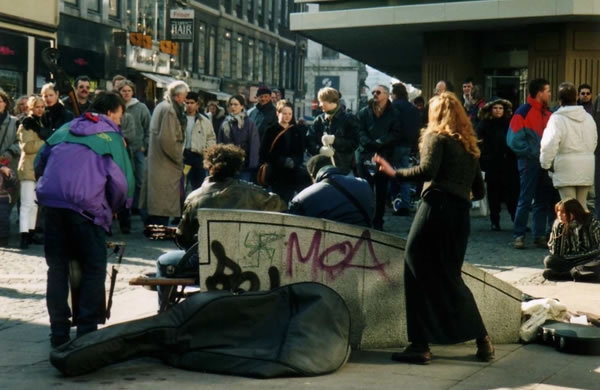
(49, 86)
(329, 95)
(447, 116)
(32, 101)
(283, 104)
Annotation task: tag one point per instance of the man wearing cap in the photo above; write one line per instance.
(263, 114)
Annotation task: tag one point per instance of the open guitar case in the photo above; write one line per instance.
(299, 329)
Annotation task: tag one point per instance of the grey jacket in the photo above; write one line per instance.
(9, 144)
(141, 123)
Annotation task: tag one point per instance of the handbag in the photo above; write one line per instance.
(265, 170)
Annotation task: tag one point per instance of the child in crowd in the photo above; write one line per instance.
(574, 240)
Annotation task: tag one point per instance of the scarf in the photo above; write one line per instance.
(231, 118)
(330, 114)
(179, 112)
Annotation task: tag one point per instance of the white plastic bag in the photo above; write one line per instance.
(538, 311)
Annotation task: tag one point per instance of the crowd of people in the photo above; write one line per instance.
(119, 158)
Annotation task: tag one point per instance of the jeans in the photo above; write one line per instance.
(401, 189)
(186, 263)
(71, 237)
(537, 187)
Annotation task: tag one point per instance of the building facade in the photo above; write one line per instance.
(325, 67)
(219, 47)
(500, 43)
(25, 30)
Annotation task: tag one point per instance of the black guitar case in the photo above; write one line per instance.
(571, 338)
(296, 330)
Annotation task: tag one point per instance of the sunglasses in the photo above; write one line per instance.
(585, 93)
(375, 93)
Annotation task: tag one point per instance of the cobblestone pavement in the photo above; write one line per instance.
(23, 272)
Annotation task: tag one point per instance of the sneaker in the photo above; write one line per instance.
(485, 349)
(519, 242)
(56, 340)
(541, 242)
(413, 354)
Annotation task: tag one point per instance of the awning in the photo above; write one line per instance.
(220, 95)
(161, 80)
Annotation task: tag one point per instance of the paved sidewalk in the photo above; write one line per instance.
(25, 346)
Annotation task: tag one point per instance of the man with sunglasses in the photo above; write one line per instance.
(584, 97)
(82, 92)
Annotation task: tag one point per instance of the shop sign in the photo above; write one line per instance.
(148, 60)
(182, 24)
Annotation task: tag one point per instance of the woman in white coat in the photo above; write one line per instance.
(568, 145)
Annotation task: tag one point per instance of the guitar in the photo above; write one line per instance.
(50, 57)
(159, 232)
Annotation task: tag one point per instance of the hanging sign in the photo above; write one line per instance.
(182, 24)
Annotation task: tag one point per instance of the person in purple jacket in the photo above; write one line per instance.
(85, 177)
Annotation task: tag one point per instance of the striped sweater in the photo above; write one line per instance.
(579, 241)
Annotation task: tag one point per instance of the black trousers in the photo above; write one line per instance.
(501, 189)
(70, 236)
(440, 308)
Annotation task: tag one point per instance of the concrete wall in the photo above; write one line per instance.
(259, 250)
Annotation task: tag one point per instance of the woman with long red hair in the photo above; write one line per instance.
(440, 308)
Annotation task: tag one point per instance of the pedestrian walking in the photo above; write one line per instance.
(263, 113)
(524, 137)
(30, 142)
(568, 145)
(199, 135)
(161, 187)
(440, 308)
(238, 129)
(497, 160)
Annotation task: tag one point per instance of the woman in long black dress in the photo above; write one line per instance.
(439, 306)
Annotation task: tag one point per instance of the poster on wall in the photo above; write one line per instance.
(182, 24)
(326, 81)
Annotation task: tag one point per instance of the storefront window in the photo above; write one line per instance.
(239, 44)
(260, 61)
(212, 51)
(113, 8)
(201, 39)
(227, 55)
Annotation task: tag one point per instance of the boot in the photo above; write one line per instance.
(24, 240)
(35, 238)
(485, 349)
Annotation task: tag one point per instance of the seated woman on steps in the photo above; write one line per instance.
(574, 240)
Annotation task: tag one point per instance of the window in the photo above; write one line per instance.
(329, 53)
(250, 60)
(259, 12)
(212, 51)
(268, 65)
(285, 13)
(239, 8)
(260, 58)
(226, 58)
(283, 58)
(228, 7)
(189, 66)
(274, 65)
(147, 16)
(239, 60)
(269, 14)
(93, 5)
(201, 39)
(114, 8)
(250, 11)
(72, 2)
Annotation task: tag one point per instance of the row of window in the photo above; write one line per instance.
(240, 57)
(96, 6)
(267, 14)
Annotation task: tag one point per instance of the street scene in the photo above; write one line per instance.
(304, 194)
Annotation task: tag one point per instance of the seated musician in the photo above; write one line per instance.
(219, 190)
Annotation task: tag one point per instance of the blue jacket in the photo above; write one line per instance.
(85, 167)
(526, 129)
(322, 200)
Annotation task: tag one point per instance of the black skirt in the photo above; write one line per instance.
(440, 308)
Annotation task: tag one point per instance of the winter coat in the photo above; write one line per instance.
(161, 184)
(323, 200)
(496, 156)
(226, 194)
(526, 129)
(579, 241)
(410, 122)
(377, 134)
(218, 118)
(203, 134)
(84, 167)
(290, 144)
(246, 138)
(264, 117)
(29, 143)
(568, 145)
(56, 116)
(344, 126)
(9, 144)
(141, 122)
